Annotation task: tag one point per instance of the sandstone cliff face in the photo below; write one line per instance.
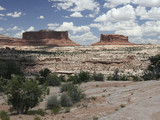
(44, 34)
(40, 38)
(113, 39)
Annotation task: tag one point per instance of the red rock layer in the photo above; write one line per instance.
(113, 39)
(40, 38)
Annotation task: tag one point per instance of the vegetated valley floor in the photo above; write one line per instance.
(113, 100)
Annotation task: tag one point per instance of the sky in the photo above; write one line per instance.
(84, 19)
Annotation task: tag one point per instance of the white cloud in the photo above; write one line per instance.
(76, 5)
(152, 14)
(85, 39)
(19, 34)
(13, 28)
(115, 3)
(76, 14)
(147, 3)
(124, 13)
(2, 8)
(52, 26)
(1, 29)
(40, 17)
(30, 28)
(151, 28)
(1, 15)
(15, 14)
(70, 26)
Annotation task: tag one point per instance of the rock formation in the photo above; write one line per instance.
(40, 38)
(113, 39)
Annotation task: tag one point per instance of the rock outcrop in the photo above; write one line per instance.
(40, 38)
(113, 39)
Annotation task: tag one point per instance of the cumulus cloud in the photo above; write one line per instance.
(19, 34)
(1, 15)
(115, 3)
(147, 3)
(151, 28)
(2, 8)
(76, 5)
(15, 14)
(85, 39)
(70, 26)
(76, 14)
(52, 26)
(152, 14)
(13, 28)
(124, 13)
(1, 29)
(40, 17)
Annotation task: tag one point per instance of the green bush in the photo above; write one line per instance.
(56, 109)
(8, 68)
(37, 118)
(98, 77)
(153, 69)
(84, 77)
(44, 73)
(66, 100)
(53, 80)
(3, 82)
(81, 77)
(73, 91)
(24, 94)
(62, 78)
(36, 112)
(52, 102)
(66, 87)
(4, 115)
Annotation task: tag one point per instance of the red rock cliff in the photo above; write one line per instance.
(113, 39)
(40, 38)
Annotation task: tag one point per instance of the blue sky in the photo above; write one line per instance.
(84, 19)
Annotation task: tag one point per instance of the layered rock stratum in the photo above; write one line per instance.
(40, 38)
(113, 39)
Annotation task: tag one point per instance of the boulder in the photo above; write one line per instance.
(113, 39)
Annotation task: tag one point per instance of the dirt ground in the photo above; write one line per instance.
(113, 101)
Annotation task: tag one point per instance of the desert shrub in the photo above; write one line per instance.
(52, 102)
(65, 87)
(153, 69)
(84, 77)
(98, 77)
(66, 100)
(3, 82)
(56, 109)
(81, 77)
(45, 72)
(136, 78)
(73, 91)
(67, 109)
(37, 118)
(62, 78)
(36, 112)
(117, 77)
(8, 68)
(4, 115)
(73, 79)
(24, 94)
(53, 80)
